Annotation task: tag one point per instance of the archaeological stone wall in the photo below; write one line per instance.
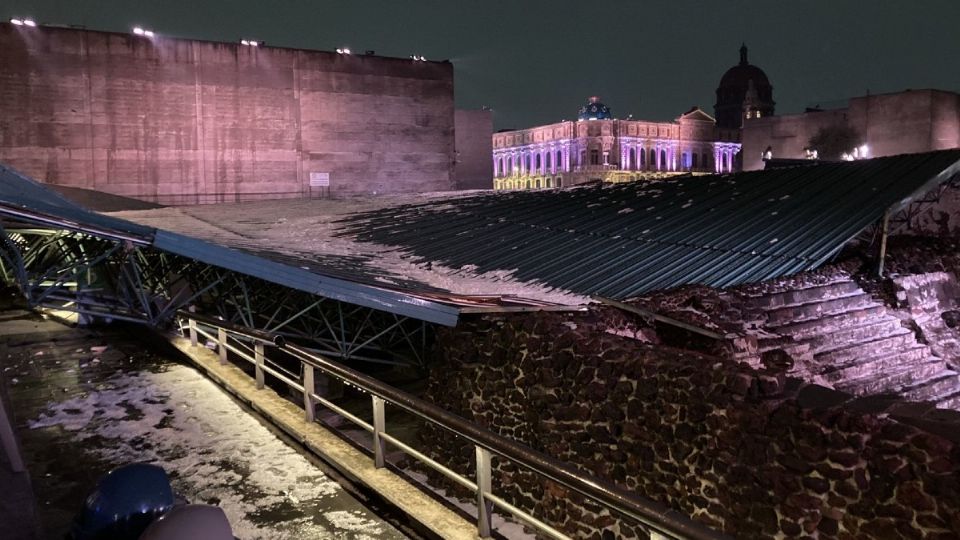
(742, 449)
(179, 121)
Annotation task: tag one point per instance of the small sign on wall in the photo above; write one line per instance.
(319, 179)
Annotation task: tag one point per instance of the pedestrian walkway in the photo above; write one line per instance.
(86, 401)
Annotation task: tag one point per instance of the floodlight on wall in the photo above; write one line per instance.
(418, 58)
(137, 30)
(23, 22)
(251, 42)
(343, 50)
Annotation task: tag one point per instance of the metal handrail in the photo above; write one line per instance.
(652, 514)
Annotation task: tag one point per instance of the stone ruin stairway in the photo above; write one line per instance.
(840, 336)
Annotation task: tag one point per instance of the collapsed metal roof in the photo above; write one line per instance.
(28, 201)
(626, 239)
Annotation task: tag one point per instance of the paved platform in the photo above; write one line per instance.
(398, 491)
(86, 401)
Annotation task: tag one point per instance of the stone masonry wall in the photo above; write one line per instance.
(744, 450)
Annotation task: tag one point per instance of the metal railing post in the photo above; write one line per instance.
(308, 388)
(193, 332)
(258, 363)
(222, 344)
(379, 426)
(484, 486)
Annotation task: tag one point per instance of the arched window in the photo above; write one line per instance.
(653, 159)
(559, 181)
(633, 159)
(693, 164)
(643, 158)
(663, 159)
(559, 160)
(528, 163)
(549, 182)
(546, 167)
(537, 168)
(509, 166)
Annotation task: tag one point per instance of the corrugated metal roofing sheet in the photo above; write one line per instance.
(19, 192)
(305, 280)
(25, 199)
(626, 239)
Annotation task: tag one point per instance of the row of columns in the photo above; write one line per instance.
(723, 157)
(664, 159)
(514, 162)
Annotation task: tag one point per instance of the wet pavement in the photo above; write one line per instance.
(88, 400)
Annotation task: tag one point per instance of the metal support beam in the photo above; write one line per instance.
(193, 333)
(884, 230)
(379, 427)
(258, 364)
(309, 387)
(222, 344)
(484, 486)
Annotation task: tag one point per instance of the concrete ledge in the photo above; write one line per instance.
(349, 461)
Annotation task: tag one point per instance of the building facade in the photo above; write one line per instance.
(180, 121)
(598, 147)
(885, 124)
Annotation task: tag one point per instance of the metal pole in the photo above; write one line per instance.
(484, 485)
(258, 362)
(308, 389)
(379, 426)
(222, 344)
(883, 242)
(193, 332)
(8, 438)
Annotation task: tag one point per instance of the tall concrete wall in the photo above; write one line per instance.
(900, 123)
(474, 149)
(184, 122)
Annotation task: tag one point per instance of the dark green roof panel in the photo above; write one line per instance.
(626, 239)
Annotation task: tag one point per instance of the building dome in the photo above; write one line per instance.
(743, 82)
(594, 110)
(740, 75)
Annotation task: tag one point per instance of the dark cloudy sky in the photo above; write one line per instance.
(536, 61)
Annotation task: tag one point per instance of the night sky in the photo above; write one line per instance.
(534, 62)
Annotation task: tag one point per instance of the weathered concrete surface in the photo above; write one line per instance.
(181, 122)
(18, 512)
(348, 460)
(474, 149)
(89, 400)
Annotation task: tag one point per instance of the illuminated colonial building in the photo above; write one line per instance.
(598, 147)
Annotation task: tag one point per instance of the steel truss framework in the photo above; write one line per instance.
(98, 277)
(906, 218)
